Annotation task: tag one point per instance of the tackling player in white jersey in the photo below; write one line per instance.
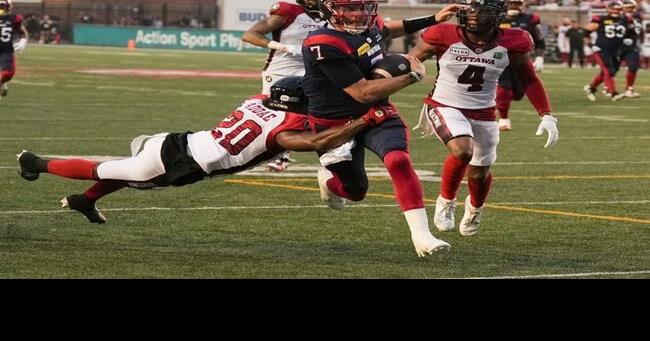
(289, 25)
(258, 130)
(460, 109)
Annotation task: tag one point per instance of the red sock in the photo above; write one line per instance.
(478, 190)
(72, 169)
(406, 184)
(504, 97)
(597, 81)
(335, 185)
(630, 77)
(6, 76)
(453, 172)
(102, 188)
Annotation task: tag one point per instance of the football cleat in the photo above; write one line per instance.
(591, 92)
(504, 124)
(445, 216)
(471, 219)
(280, 164)
(4, 90)
(333, 201)
(81, 204)
(27, 161)
(631, 93)
(428, 244)
(617, 96)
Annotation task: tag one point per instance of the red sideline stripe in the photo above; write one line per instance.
(322, 39)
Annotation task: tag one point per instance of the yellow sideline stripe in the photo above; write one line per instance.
(548, 177)
(499, 207)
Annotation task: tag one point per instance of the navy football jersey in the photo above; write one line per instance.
(335, 60)
(634, 32)
(9, 28)
(527, 22)
(611, 31)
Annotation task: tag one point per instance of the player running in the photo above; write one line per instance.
(460, 109)
(13, 38)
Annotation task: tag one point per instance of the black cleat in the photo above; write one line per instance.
(78, 202)
(27, 161)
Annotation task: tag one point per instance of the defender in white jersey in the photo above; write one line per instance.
(460, 109)
(289, 25)
(258, 130)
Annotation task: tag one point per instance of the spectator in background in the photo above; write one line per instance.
(158, 23)
(576, 35)
(562, 41)
(86, 19)
(46, 26)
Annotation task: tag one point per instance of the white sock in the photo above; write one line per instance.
(418, 221)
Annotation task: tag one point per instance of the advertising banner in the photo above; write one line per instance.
(162, 38)
(240, 15)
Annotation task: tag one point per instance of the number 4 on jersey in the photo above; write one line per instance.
(473, 75)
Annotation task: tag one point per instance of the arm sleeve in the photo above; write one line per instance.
(342, 73)
(533, 85)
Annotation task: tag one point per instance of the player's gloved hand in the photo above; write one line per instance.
(418, 70)
(549, 124)
(539, 64)
(378, 115)
(449, 11)
(628, 42)
(20, 45)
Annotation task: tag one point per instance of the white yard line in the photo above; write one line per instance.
(577, 274)
(299, 207)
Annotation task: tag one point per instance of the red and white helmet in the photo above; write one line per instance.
(352, 16)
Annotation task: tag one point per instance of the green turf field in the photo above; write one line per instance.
(580, 210)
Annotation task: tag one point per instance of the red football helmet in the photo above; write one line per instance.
(352, 16)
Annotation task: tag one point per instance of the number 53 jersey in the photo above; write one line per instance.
(468, 74)
(243, 139)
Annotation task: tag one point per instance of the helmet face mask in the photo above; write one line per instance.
(515, 7)
(615, 8)
(481, 15)
(352, 16)
(629, 6)
(287, 95)
(5, 7)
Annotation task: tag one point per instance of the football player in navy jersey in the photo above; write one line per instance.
(510, 88)
(631, 50)
(611, 30)
(338, 62)
(11, 27)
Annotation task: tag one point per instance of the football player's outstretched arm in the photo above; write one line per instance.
(423, 51)
(256, 35)
(304, 141)
(407, 26)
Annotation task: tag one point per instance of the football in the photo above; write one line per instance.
(391, 66)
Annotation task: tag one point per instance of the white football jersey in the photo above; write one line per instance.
(297, 27)
(243, 139)
(468, 75)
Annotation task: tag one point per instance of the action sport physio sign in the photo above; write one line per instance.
(162, 38)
